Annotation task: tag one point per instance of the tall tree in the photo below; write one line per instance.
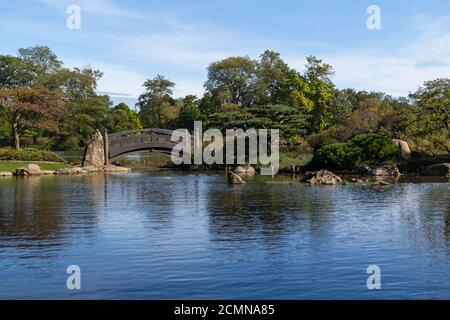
(189, 112)
(232, 81)
(432, 102)
(31, 108)
(157, 107)
(121, 118)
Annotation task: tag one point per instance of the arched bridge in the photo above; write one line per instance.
(121, 143)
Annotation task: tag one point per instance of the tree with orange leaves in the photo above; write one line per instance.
(25, 107)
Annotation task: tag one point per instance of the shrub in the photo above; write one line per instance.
(367, 148)
(7, 154)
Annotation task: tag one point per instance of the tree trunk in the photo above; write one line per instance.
(15, 129)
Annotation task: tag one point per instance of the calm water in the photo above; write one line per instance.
(183, 236)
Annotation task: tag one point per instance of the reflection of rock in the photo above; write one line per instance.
(248, 170)
(113, 168)
(405, 151)
(234, 178)
(439, 169)
(94, 154)
(322, 177)
(5, 174)
(385, 171)
(29, 170)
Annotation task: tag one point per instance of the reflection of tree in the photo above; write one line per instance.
(267, 209)
(34, 209)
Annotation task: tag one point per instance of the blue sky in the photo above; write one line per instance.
(131, 41)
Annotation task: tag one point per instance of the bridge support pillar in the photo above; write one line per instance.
(106, 144)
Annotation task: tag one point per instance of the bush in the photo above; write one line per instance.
(367, 148)
(7, 154)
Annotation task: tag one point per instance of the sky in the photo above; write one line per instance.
(131, 41)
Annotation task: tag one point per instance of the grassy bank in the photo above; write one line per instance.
(11, 166)
(29, 154)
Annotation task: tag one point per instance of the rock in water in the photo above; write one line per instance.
(29, 170)
(234, 178)
(5, 174)
(405, 151)
(322, 177)
(94, 154)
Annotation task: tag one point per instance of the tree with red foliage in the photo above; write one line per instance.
(25, 107)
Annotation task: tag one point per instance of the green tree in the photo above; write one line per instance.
(189, 112)
(157, 107)
(14, 72)
(232, 81)
(432, 103)
(122, 118)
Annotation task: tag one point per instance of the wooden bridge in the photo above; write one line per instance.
(121, 143)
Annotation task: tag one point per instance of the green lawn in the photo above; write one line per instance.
(11, 166)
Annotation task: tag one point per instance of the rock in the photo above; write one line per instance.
(357, 181)
(439, 169)
(240, 169)
(29, 170)
(93, 169)
(76, 170)
(322, 177)
(385, 171)
(234, 178)
(6, 174)
(363, 169)
(94, 154)
(381, 183)
(250, 171)
(113, 168)
(245, 170)
(405, 151)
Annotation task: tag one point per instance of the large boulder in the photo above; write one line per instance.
(233, 178)
(405, 151)
(322, 177)
(439, 169)
(385, 171)
(94, 154)
(29, 170)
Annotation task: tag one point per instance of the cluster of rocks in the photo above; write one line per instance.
(35, 170)
(379, 171)
(324, 177)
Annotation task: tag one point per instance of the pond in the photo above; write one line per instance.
(175, 235)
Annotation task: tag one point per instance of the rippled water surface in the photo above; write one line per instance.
(173, 235)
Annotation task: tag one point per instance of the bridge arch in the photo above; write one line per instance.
(119, 144)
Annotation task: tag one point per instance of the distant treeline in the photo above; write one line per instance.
(45, 105)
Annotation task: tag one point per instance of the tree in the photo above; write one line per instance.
(121, 118)
(157, 107)
(432, 103)
(272, 76)
(189, 112)
(232, 81)
(40, 59)
(318, 75)
(31, 108)
(14, 72)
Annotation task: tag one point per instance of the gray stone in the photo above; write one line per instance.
(113, 168)
(322, 177)
(439, 169)
(29, 170)
(405, 151)
(94, 154)
(385, 171)
(363, 169)
(6, 174)
(250, 171)
(234, 178)
(239, 169)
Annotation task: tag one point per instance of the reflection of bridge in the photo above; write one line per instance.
(121, 143)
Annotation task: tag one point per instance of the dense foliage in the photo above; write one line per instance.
(364, 148)
(46, 105)
(29, 154)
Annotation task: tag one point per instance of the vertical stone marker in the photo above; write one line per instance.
(94, 154)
